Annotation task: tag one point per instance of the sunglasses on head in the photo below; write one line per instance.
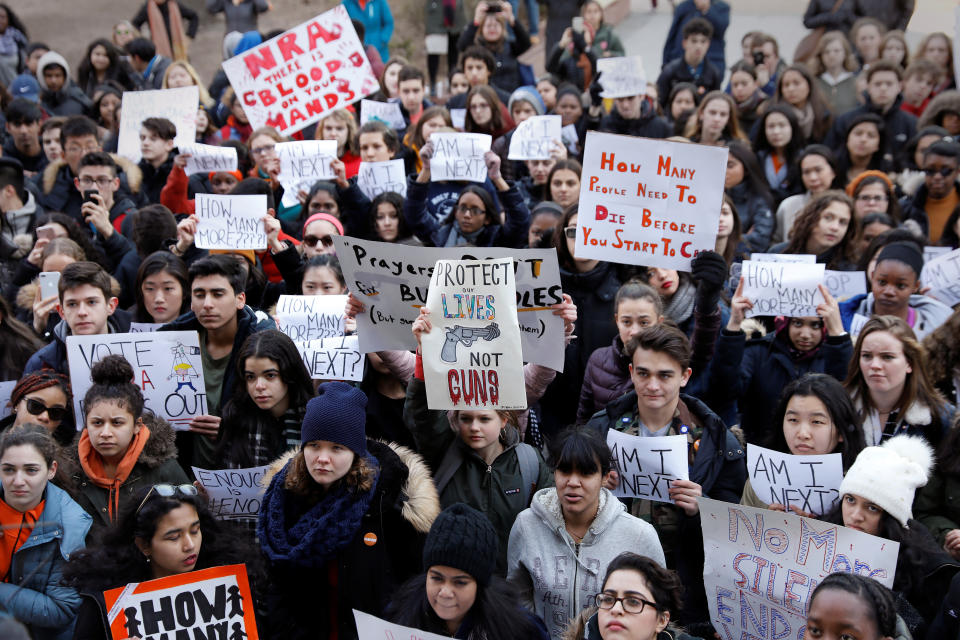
(35, 408)
(169, 491)
(311, 241)
(943, 171)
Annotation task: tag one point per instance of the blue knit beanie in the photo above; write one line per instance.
(337, 414)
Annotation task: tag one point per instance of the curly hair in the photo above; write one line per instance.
(943, 351)
(809, 217)
(359, 478)
(878, 598)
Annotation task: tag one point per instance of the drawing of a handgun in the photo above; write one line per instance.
(466, 336)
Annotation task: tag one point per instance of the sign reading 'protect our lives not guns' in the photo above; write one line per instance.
(648, 202)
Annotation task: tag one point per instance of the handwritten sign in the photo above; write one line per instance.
(208, 603)
(230, 222)
(392, 281)
(622, 77)
(296, 78)
(844, 284)
(303, 163)
(311, 317)
(459, 156)
(647, 466)
(166, 366)
(762, 566)
(144, 327)
(459, 118)
(375, 178)
(533, 139)
(333, 358)
(179, 106)
(372, 628)
(789, 258)
(932, 251)
(233, 493)
(386, 112)
(6, 390)
(472, 358)
(779, 289)
(942, 275)
(810, 483)
(648, 202)
(205, 158)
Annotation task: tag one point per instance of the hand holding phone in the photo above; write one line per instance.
(47, 232)
(49, 284)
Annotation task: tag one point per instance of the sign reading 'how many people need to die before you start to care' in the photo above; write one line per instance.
(648, 202)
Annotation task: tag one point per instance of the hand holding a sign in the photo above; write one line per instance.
(206, 425)
(829, 312)
(181, 160)
(568, 311)
(775, 506)
(422, 325)
(271, 226)
(426, 152)
(492, 160)
(340, 173)
(684, 493)
(186, 230)
(739, 305)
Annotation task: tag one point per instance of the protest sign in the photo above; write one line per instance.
(386, 112)
(930, 252)
(6, 390)
(533, 139)
(392, 281)
(230, 222)
(208, 603)
(205, 158)
(333, 358)
(144, 327)
(942, 275)
(166, 366)
(622, 77)
(375, 178)
(459, 118)
(789, 258)
(459, 156)
(179, 106)
(647, 466)
(372, 628)
(232, 493)
(810, 483)
(311, 317)
(762, 566)
(781, 289)
(570, 138)
(303, 163)
(472, 356)
(296, 78)
(648, 202)
(844, 284)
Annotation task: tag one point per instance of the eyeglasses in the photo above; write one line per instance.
(570, 232)
(872, 198)
(943, 171)
(630, 604)
(72, 148)
(473, 211)
(103, 182)
(260, 151)
(35, 408)
(168, 491)
(311, 241)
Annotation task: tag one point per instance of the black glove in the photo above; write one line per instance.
(709, 270)
(595, 89)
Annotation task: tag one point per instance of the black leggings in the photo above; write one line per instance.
(433, 60)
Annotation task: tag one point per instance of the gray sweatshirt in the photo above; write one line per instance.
(556, 580)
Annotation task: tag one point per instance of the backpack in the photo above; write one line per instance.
(526, 456)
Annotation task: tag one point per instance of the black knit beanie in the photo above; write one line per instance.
(337, 414)
(463, 538)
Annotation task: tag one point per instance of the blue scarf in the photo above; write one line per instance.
(316, 535)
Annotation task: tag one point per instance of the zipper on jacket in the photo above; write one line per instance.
(576, 574)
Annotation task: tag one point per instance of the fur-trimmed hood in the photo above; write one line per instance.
(160, 447)
(421, 504)
(948, 101)
(28, 292)
(128, 169)
(917, 414)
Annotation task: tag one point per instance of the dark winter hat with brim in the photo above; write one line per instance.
(462, 538)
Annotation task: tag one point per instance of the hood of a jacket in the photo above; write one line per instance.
(948, 101)
(52, 57)
(546, 506)
(129, 173)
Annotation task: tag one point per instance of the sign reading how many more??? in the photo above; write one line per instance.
(648, 202)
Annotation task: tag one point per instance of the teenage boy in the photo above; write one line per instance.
(410, 87)
(107, 209)
(23, 135)
(50, 139)
(19, 210)
(939, 194)
(918, 82)
(219, 313)
(59, 95)
(377, 142)
(660, 368)
(717, 12)
(631, 116)
(478, 65)
(147, 62)
(765, 55)
(156, 158)
(87, 307)
(693, 67)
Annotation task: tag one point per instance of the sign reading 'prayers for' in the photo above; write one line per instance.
(166, 366)
(303, 163)
(809, 483)
(392, 282)
(333, 358)
(179, 106)
(471, 357)
(762, 566)
(781, 289)
(311, 317)
(459, 156)
(293, 80)
(375, 178)
(232, 493)
(534, 138)
(648, 202)
(209, 603)
(230, 222)
(647, 466)
(205, 158)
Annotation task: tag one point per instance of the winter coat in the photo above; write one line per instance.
(240, 17)
(155, 178)
(586, 627)
(648, 125)
(937, 505)
(366, 574)
(557, 577)
(756, 372)
(914, 207)
(495, 490)
(506, 72)
(442, 196)
(678, 71)
(16, 240)
(894, 14)
(511, 234)
(377, 22)
(946, 102)
(157, 464)
(54, 355)
(756, 218)
(55, 190)
(68, 101)
(918, 420)
(607, 377)
(434, 18)
(930, 313)
(606, 44)
(33, 594)
(717, 15)
(840, 96)
(899, 126)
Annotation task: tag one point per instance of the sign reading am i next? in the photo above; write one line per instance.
(648, 202)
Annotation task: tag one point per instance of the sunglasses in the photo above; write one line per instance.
(35, 408)
(570, 232)
(311, 241)
(168, 491)
(943, 171)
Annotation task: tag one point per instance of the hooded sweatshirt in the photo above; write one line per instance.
(930, 313)
(557, 577)
(70, 100)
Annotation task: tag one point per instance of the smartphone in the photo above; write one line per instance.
(757, 58)
(578, 24)
(49, 284)
(46, 231)
(88, 195)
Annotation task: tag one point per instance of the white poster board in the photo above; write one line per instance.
(472, 356)
(375, 178)
(648, 202)
(311, 317)
(942, 275)
(782, 289)
(295, 79)
(459, 156)
(372, 628)
(333, 358)
(844, 284)
(622, 77)
(205, 158)
(533, 139)
(230, 222)
(303, 163)
(459, 118)
(233, 493)
(647, 466)
(179, 106)
(386, 112)
(6, 390)
(144, 327)
(789, 258)
(392, 282)
(166, 366)
(810, 483)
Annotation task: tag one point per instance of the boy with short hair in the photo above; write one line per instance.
(50, 139)
(411, 89)
(156, 159)
(147, 62)
(377, 142)
(693, 67)
(478, 65)
(23, 135)
(918, 82)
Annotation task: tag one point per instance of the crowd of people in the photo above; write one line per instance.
(480, 523)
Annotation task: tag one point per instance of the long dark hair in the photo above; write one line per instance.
(809, 217)
(496, 125)
(17, 342)
(878, 160)
(241, 415)
(488, 206)
(158, 262)
(117, 71)
(14, 21)
(821, 114)
(753, 175)
(396, 201)
(797, 140)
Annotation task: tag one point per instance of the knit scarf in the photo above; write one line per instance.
(92, 465)
(805, 119)
(458, 237)
(172, 45)
(680, 306)
(316, 535)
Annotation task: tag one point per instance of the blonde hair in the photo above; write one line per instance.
(346, 118)
(816, 61)
(205, 98)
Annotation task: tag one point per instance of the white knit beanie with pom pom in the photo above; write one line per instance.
(890, 474)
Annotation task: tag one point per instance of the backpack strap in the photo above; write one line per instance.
(452, 460)
(529, 469)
